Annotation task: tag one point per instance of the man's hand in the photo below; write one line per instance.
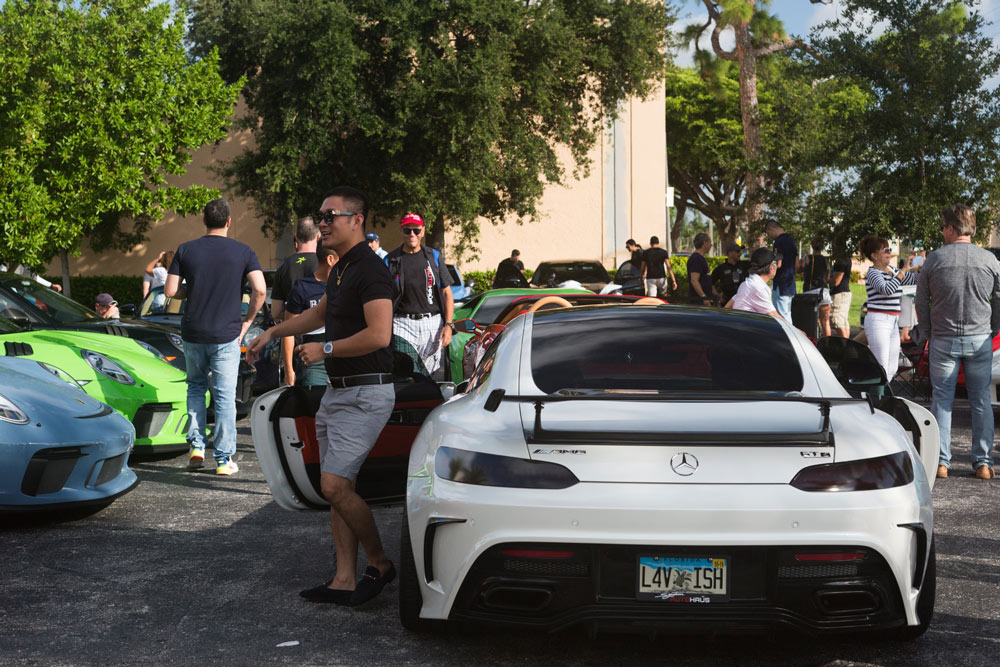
(674, 283)
(289, 379)
(309, 353)
(709, 302)
(257, 345)
(445, 336)
(57, 287)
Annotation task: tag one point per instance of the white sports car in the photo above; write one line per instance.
(670, 469)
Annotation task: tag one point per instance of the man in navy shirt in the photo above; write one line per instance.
(783, 287)
(356, 312)
(212, 326)
(306, 293)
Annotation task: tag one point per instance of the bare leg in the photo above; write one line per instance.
(824, 319)
(356, 520)
(345, 546)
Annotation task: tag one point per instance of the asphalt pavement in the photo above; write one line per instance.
(194, 569)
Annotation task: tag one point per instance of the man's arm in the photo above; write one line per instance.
(922, 303)
(835, 278)
(642, 269)
(258, 292)
(287, 345)
(308, 321)
(449, 313)
(375, 336)
(670, 271)
(170, 287)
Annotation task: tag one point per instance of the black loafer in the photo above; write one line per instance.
(371, 584)
(323, 594)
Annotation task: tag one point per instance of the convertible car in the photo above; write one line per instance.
(118, 371)
(59, 448)
(675, 469)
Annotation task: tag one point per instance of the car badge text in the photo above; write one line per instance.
(815, 455)
(559, 451)
(684, 463)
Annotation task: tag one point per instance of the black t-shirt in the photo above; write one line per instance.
(291, 270)
(213, 267)
(420, 294)
(843, 266)
(727, 278)
(637, 259)
(363, 278)
(698, 264)
(815, 273)
(509, 274)
(654, 258)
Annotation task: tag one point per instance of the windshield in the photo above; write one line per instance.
(553, 273)
(662, 349)
(55, 306)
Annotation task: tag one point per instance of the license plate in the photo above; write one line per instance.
(692, 579)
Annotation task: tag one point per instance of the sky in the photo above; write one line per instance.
(800, 16)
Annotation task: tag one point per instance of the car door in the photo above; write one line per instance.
(859, 372)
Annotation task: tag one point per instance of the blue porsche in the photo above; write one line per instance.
(59, 448)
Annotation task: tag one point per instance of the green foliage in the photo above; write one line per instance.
(456, 110)
(99, 102)
(930, 138)
(124, 288)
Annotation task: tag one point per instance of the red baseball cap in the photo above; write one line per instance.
(411, 219)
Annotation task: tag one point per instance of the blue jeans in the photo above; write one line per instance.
(221, 362)
(976, 356)
(782, 304)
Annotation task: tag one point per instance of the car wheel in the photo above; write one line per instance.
(925, 603)
(410, 599)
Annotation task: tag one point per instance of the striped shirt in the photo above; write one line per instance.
(884, 293)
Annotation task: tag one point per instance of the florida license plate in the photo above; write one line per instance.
(691, 579)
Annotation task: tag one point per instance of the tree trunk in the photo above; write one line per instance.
(751, 125)
(64, 256)
(675, 229)
(434, 236)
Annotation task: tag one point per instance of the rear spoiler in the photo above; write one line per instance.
(542, 436)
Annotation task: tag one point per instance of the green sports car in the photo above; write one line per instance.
(483, 308)
(146, 390)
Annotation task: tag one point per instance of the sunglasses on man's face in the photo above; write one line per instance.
(412, 230)
(326, 217)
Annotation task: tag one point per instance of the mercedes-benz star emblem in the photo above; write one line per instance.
(683, 464)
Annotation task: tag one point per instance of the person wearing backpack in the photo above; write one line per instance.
(815, 269)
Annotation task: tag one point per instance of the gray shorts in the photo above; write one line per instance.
(348, 423)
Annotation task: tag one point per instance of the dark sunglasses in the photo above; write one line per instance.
(412, 230)
(327, 217)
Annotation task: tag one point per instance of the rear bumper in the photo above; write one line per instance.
(760, 522)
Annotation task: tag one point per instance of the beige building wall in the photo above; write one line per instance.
(589, 218)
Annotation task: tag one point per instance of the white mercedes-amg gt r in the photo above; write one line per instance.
(671, 469)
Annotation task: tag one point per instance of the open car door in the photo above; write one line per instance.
(859, 372)
(283, 427)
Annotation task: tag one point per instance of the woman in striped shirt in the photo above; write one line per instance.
(883, 284)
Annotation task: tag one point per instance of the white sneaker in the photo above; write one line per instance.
(226, 466)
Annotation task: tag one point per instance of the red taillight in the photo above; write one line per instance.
(830, 558)
(535, 553)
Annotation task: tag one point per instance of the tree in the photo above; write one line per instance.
(758, 34)
(455, 110)
(806, 126)
(98, 103)
(930, 138)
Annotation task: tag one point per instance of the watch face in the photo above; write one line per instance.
(327, 347)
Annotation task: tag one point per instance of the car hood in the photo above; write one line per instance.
(125, 351)
(38, 392)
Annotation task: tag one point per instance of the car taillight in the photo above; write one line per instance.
(467, 467)
(883, 472)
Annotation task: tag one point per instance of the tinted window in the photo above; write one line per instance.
(55, 305)
(584, 272)
(492, 305)
(662, 349)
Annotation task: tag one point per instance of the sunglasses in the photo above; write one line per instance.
(326, 217)
(412, 230)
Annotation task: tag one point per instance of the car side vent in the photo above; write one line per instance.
(116, 330)
(12, 349)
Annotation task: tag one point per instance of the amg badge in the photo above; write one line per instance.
(559, 451)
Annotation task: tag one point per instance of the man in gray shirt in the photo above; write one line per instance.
(958, 307)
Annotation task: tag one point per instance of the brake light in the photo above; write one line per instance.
(829, 558)
(883, 472)
(536, 553)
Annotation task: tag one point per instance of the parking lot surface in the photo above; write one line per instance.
(191, 568)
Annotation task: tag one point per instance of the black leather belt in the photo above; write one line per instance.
(355, 380)
(313, 338)
(417, 316)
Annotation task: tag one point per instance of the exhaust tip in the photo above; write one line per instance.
(849, 601)
(516, 598)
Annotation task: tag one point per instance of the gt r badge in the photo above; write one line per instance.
(815, 455)
(559, 451)
(683, 463)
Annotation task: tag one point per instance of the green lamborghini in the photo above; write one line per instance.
(119, 371)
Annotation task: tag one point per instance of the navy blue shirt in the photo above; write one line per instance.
(698, 264)
(213, 267)
(362, 277)
(306, 293)
(784, 279)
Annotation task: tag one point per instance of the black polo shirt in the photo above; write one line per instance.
(363, 277)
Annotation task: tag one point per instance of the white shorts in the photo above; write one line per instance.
(824, 293)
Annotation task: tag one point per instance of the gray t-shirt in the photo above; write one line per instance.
(958, 291)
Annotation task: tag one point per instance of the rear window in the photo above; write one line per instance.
(492, 305)
(549, 273)
(662, 350)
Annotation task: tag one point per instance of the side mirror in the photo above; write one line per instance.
(465, 326)
(447, 389)
(462, 387)
(128, 310)
(860, 374)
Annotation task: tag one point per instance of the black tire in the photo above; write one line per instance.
(925, 603)
(410, 599)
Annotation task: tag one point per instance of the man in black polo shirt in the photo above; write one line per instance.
(357, 314)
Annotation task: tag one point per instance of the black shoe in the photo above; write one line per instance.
(371, 584)
(323, 594)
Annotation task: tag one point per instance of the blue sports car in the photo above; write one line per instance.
(59, 448)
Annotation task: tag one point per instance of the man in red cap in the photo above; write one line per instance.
(422, 301)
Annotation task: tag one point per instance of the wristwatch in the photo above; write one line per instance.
(328, 348)
(450, 325)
